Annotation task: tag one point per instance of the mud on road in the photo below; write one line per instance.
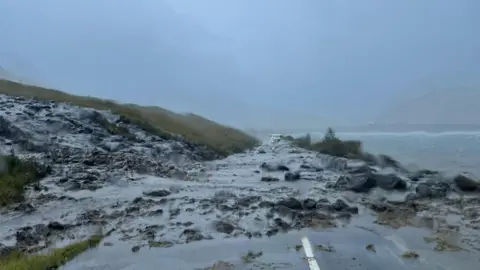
(163, 204)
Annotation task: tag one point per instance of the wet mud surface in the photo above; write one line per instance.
(164, 206)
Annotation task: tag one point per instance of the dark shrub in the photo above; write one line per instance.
(331, 145)
(15, 174)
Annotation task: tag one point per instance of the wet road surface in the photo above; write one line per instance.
(346, 250)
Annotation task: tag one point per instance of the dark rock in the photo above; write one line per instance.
(55, 225)
(389, 181)
(291, 203)
(466, 183)
(284, 226)
(157, 193)
(269, 179)
(309, 204)
(224, 227)
(282, 168)
(192, 235)
(339, 205)
(157, 212)
(30, 236)
(135, 249)
(289, 176)
(273, 167)
(272, 232)
(342, 206)
(361, 183)
(421, 174)
(387, 161)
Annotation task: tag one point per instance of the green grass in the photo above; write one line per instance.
(154, 120)
(51, 260)
(15, 174)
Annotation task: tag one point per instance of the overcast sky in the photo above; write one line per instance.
(338, 60)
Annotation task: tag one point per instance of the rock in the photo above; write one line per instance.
(269, 179)
(309, 204)
(356, 183)
(284, 226)
(340, 205)
(30, 236)
(466, 183)
(419, 175)
(389, 181)
(55, 225)
(289, 176)
(273, 167)
(157, 193)
(291, 203)
(135, 249)
(432, 189)
(387, 161)
(192, 235)
(224, 227)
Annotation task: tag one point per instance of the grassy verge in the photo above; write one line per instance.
(15, 174)
(51, 260)
(155, 120)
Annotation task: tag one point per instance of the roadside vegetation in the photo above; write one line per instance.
(154, 120)
(51, 260)
(330, 145)
(15, 175)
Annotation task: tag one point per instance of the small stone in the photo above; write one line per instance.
(135, 249)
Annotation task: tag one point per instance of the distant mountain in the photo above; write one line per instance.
(442, 107)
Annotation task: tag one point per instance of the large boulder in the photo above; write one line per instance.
(362, 183)
(467, 183)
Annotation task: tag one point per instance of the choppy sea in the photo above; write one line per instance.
(450, 152)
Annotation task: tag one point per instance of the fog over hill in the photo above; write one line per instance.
(260, 64)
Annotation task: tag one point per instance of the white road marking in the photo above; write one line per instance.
(312, 262)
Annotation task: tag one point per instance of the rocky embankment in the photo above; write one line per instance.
(148, 192)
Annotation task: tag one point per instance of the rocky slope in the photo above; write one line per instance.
(146, 192)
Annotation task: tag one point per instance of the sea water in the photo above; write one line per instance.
(450, 152)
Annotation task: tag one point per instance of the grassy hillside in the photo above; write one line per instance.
(155, 120)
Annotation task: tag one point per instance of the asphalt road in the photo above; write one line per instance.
(285, 252)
